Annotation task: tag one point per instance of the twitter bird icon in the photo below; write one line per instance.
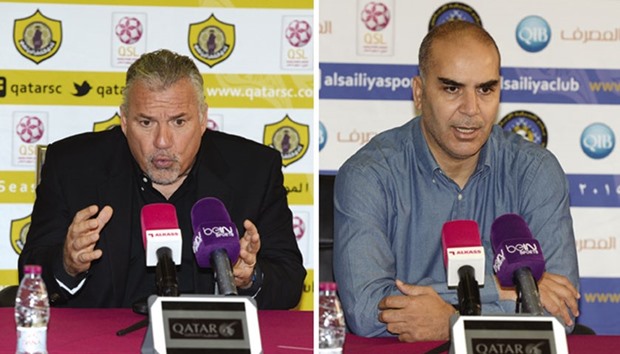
(82, 90)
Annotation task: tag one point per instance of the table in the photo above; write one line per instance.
(94, 331)
(577, 344)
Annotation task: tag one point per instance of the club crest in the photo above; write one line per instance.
(211, 41)
(37, 37)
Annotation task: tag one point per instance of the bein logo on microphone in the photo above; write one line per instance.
(217, 231)
(499, 260)
(523, 248)
(212, 232)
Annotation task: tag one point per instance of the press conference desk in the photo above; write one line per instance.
(94, 331)
(577, 344)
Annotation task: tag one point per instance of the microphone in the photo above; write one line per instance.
(162, 241)
(216, 241)
(518, 260)
(463, 257)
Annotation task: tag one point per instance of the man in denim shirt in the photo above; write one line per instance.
(394, 195)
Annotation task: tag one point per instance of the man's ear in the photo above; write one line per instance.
(205, 119)
(123, 120)
(418, 91)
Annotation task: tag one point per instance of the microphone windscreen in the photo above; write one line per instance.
(462, 246)
(458, 234)
(158, 216)
(160, 228)
(515, 247)
(506, 227)
(213, 230)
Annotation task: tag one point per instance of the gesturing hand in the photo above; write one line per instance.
(250, 245)
(79, 250)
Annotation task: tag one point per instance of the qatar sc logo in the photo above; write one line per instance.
(19, 231)
(108, 124)
(211, 41)
(37, 37)
(288, 137)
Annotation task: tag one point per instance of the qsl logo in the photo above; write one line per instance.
(30, 129)
(299, 227)
(128, 30)
(597, 140)
(376, 16)
(298, 33)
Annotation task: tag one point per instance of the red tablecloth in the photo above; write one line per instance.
(282, 332)
(94, 331)
(577, 344)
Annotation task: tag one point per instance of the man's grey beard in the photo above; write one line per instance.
(166, 181)
(174, 172)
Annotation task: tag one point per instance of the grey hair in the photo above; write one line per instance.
(161, 69)
(451, 30)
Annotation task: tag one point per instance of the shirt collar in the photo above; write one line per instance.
(426, 159)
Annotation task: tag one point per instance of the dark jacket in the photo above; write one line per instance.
(96, 168)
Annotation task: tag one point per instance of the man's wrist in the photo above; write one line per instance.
(69, 280)
(256, 282)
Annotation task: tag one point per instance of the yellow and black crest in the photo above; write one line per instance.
(107, 124)
(19, 230)
(37, 37)
(288, 137)
(211, 41)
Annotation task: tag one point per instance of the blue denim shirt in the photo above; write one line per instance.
(391, 200)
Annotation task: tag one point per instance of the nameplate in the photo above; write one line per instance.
(507, 334)
(199, 324)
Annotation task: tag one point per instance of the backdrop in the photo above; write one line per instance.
(62, 66)
(560, 88)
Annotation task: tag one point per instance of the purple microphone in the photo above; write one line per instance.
(216, 241)
(518, 260)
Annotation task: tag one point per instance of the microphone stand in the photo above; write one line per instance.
(468, 292)
(528, 296)
(167, 285)
(223, 273)
(140, 324)
(141, 308)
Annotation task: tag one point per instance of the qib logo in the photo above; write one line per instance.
(597, 140)
(322, 136)
(533, 34)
